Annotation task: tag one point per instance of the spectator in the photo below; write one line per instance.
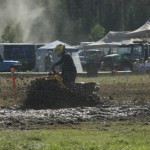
(1, 59)
(136, 65)
(142, 66)
(48, 61)
(147, 65)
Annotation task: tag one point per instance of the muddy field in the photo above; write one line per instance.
(13, 117)
(133, 105)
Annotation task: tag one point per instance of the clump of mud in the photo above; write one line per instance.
(50, 93)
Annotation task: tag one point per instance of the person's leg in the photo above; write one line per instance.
(68, 78)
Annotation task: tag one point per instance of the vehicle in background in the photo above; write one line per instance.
(6, 65)
(90, 56)
(22, 52)
(135, 51)
(116, 62)
(125, 56)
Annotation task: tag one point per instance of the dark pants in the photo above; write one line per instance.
(69, 78)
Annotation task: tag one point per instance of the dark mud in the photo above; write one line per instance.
(14, 117)
(52, 93)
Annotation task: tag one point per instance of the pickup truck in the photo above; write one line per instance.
(6, 65)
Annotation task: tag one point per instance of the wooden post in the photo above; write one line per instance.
(13, 83)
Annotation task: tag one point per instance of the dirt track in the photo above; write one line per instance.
(125, 102)
(23, 119)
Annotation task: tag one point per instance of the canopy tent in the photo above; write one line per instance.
(142, 32)
(112, 39)
(131, 41)
(52, 45)
(43, 50)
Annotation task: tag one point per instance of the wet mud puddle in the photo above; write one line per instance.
(15, 117)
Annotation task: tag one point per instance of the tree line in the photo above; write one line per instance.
(72, 21)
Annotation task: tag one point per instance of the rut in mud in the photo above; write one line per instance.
(17, 118)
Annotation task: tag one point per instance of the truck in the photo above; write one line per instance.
(6, 65)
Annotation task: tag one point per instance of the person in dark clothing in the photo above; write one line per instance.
(1, 59)
(69, 71)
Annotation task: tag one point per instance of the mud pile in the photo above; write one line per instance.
(51, 93)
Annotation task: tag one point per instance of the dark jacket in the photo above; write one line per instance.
(68, 68)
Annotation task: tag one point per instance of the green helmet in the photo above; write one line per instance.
(59, 49)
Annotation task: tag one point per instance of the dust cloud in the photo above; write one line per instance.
(30, 14)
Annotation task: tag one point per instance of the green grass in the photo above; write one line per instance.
(122, 87)
(92, 136)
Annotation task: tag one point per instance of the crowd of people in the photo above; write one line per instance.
(142, 66)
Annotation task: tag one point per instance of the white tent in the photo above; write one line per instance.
(115, 38)
(112, 39)
(142, 32)
(52, 45)
(131, 41)
(43, 50)
(111, 42)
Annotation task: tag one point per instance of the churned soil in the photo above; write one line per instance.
(121, 101)
(14, 117)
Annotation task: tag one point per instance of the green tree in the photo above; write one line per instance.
(97, 32)
(8, 34)
(12, 34)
